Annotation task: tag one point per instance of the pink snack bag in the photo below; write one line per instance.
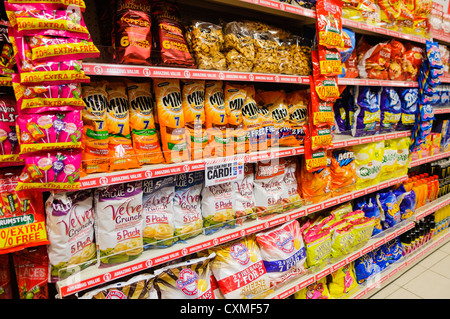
(9, 144)
(51, 171)
(49, 131)
(47, 4)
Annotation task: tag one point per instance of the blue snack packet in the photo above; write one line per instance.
(341, 112)
(433, 54)
(393, 250)
(364, 268)
(390, 108)
(346, 53)
(365, 111)
(409, 98)
(370, 208)
(387, 203)
(380, 258)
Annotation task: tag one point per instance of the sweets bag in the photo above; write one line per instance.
(70, 229)
(233, 261)
(186, 280)
(282, 252)
(9, 144)
(158, 216)
(119, 223)
(188, 220)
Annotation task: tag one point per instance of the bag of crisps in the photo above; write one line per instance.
(283, 252)
(329, 23)
(188, 279)
(368, 162)
(318, 246)
(170, 119)
(373, 61)
(268, 135)
(235, 96)
(389, 162)
(232, 264)
(342, 281)
(342, 171)
(142, 123)
(218, 207)
(291, 180)
(317, 290)
(316, 185)
(245, 197)
(298, 113)
(252, 124)
(193, 104)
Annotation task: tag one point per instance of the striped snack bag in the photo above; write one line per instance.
(193, 102)
(170, 119)
(142, 123)
(121, 152)
(95, 133)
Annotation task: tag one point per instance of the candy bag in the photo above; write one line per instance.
(316, 290)
(342, 281)
(70, 229)
(186, 280)
(157, 204)
(235, 259)
(342, 171)
(390, 110)
(187, 219)
(170, 120)
(118, 239)
(51, 171)
(9, 144)
(218, 207)
(245, 198)
(365, 117)
(95, 133)
(282, 252)
(388, 205)
(194, 115)
(142, 123)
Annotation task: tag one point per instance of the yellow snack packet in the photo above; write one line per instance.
(317, 290)
(389, 162)
(342, 281)
(368, 158)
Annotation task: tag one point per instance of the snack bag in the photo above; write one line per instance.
(371, 210)
(365, 115)
(51, 171)
(207, 42)
(132, 38)
(95, 133)
(170, 119)
(193, 103)
(390, 110)
(394, 250)
(9, 144)
(142, 123)
(409, 98)
(373, 61)
(316, 290)
(157, 204)
(380, 259)
(267, 46)
(5, 275)
(342, 171)
(297, 102)
(364, 268)
(342, 210)
(362, 229)
(412, 61)
(342, 238)
(70, 229)
(188, 221)
(31, 268)
(329, 23)
(218, 207)
(137, 287)
(341, 109)
(49, 131)
(316, 185)
(342, 281)
(283, 252)
(389, 162)
(119, 223)
(270, 192)
(252, 124)
(368, 162)
(245, 198)
(406, 201)
(325, 86)
(186, 280)
(216, 120)
(395, 70)
(318, 246)
(235, 96)
(388, 205)
(233, 261)
(268, 135)
(329, 61)
(291, 180)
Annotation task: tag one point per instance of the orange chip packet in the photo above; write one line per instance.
(170, 119)
(315, 185)
(142, 123)
(342, 170)
(235, 96)
(252, 124)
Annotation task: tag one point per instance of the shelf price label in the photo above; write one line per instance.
(224, 171)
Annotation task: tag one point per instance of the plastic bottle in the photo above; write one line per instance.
(424, 187)
(417, 189)
(406, 244)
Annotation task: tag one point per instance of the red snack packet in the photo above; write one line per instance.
(326, 87)
(320, 112)
(396, 64)
(314, 159)
(5, 278)
(329, 23)
(31, 267)
(373, 61)
(351, 66)
(412, 61)
(329, 61)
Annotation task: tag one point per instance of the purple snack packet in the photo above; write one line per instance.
(391, 110)
(365, 111)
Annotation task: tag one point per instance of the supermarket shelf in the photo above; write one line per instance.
(348, 81)
(441, 37)
(394, 270)
(302, 282)
(428, 159)
(441, 110)
(94, 276)
(159, 170)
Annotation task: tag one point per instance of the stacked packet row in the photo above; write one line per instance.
(49, 41)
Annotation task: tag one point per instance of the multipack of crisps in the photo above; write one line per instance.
(329, 23)
(235, 96)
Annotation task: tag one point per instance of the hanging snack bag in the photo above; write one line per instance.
(325, 86)
(142, 123)
(342, 281)
(365, 117)
(245, 198)
(232, 264)
(193, 103)
(5, 278)
(188, 221)
(391, 110)
(170, 119)
(282, 252)
(342, 171)
(368, 162)
(186, 280)
(329, 23)
(70, 229)
(235, 96)
(137, 287)
(269, 189)
(409, 98)
(121, 153)
(132, 38)
(218, 207)
(9, 143)
(170, 46)
(95, 132)
(297, 102)
(157, 205)
(316, 184)
(329, 61)
(216, 120)
(238, 46)
(118, 223)
(31, 268)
